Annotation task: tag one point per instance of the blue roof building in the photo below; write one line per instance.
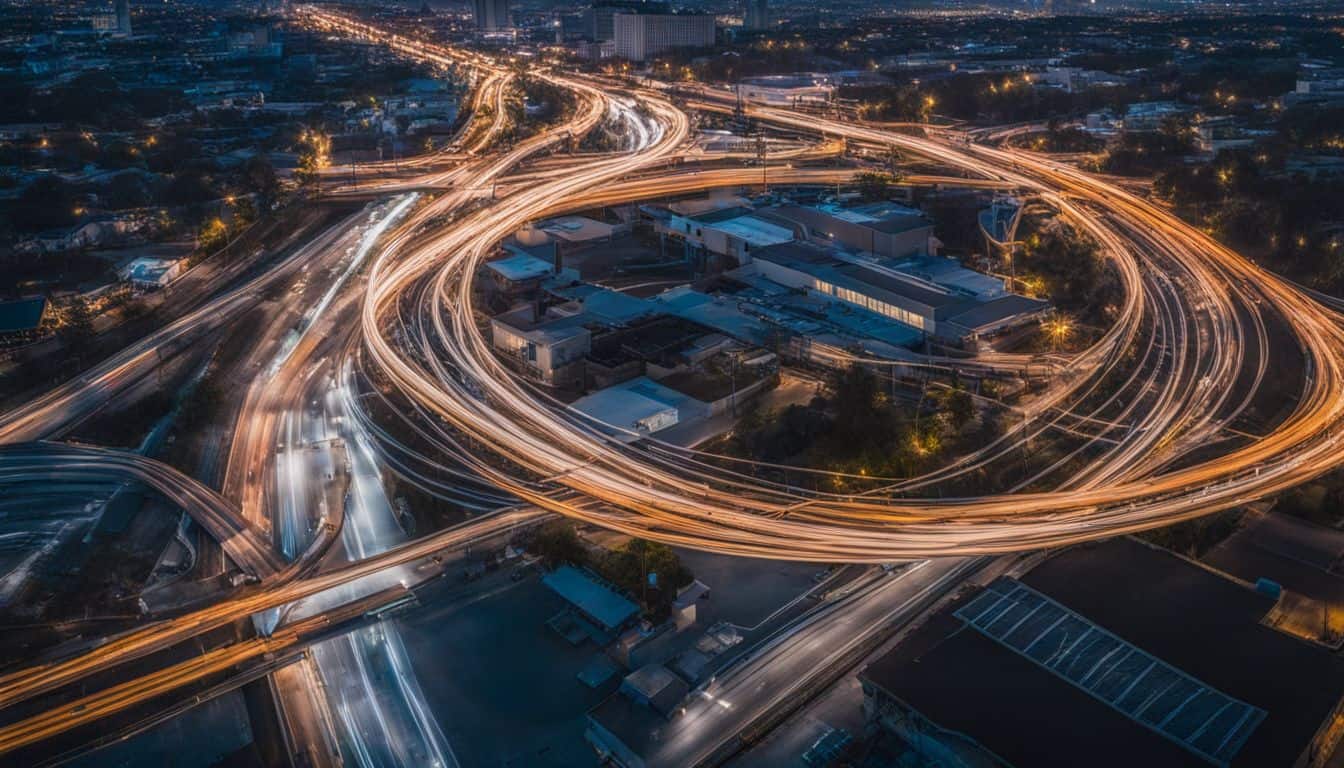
(596, 601)
(22, 316)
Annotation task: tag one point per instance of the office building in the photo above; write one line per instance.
(757, 15)
(124, 17)
(640, 36)
(601, 16)
(491, 15)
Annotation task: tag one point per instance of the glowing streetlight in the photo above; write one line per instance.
(1059, 329)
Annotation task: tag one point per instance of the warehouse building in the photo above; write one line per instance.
(1111, 654)
(951, 306)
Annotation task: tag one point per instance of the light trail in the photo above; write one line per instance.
(379, 223)
(1193, 313)
(455, 375)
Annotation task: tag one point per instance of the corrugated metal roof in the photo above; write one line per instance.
(595, 600)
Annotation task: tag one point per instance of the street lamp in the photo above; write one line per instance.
(1058, 329)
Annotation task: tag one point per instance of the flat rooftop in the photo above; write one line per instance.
(888, 219)
(625, 405)
(950, 274)
(758, 232)
(997, 310)
(577, 229)
(1220, 638)
(21, 315)
(548, 329)
(608, 306)
(520, 267)
(1117, 654)
(596, 600)
(721, 314)
(824, 264)
(1135, 683)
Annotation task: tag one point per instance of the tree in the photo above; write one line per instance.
(191, 186)
(314, 155)
(857, 400)
(244, 212)
(47, 203)
(629, 567)
(127, 190)
(259, 178)
(213, 236)
(556, 543)
(76, 329)
(874, 185)
(958, 405)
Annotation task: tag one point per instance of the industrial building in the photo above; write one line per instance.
(786, 90)
(880, 259)
(952, 303)
(608, 610)
(1076, 663)
(885, 230)
(21, 320)
(150, 274)
(731, 232)
(637, 408)
(549, 348)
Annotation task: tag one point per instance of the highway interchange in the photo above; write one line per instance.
(1185, 359)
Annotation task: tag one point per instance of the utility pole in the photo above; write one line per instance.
(732, 376)
(761, 156)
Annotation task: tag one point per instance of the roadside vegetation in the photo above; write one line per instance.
(648, 572)
(859, 428)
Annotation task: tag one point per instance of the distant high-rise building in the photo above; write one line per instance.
(491, 15)
(757, 15)
(641, 35)
(124, 17)
(602, 13)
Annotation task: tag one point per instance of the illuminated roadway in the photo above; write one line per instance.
(285, 588)
(456, 376)
(1193, 310)
(56, 463)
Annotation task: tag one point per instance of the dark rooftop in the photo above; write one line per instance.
(998, 309)
(885, 219)
(1207, 625)
(21, 315)
(967, 683)
(822, 263)
(896, 224)
(721, 214)
(1202, 626)
(1146, 689)
(661, 339)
